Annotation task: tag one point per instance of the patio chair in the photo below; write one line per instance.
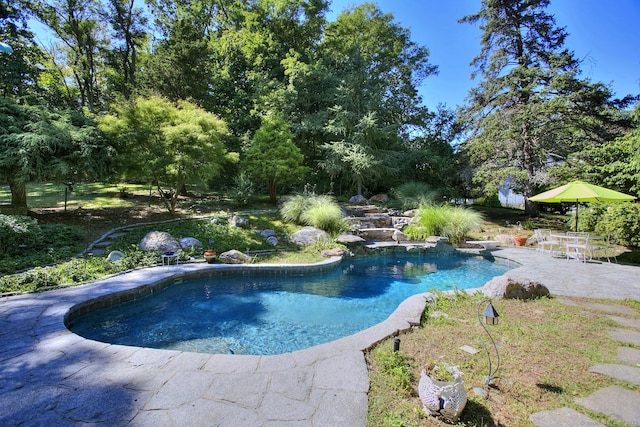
(545, 241)
(577, 245)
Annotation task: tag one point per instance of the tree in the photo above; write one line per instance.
(168, 144)
(128, 25)
(272, 156)
(38, 143)
(78, 25)
(617, 164)
(378, 69)
(530, 101)
(19, 70)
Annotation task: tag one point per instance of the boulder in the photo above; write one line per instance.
(266, 233)
(358, 200)
(350, 239)
(187, 243)
(159, 241)
(328, 253)
(239, 221)
(308, 236)
(272, 240)
(234, 257)
(398, 236)
(379, 198)
(505, 287)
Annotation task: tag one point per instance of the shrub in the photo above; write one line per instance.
(321, 212)
(453, 222)
(18, 230)
(293, 208)
(243, 189)
(621, 220)
(414, 194)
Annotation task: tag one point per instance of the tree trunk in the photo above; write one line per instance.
(18, 193)
(273, 187)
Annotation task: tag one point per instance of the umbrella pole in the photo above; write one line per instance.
(577, 208)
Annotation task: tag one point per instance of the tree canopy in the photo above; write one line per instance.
(531, 101)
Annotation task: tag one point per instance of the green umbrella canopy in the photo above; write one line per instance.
(578, 191)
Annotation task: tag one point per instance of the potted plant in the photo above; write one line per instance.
(441, 390)
(520, 240)
(210, 254)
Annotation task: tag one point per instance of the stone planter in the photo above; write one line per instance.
(520, 240)
(445, 398)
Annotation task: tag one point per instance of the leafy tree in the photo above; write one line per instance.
(617, 164)
(19, 70)
(78, 26)
(378, 69)
(272, 157)
(40, 144)
(531, 101)
(167, 144)
(128, 25)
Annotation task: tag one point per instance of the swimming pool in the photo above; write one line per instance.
(274, 314)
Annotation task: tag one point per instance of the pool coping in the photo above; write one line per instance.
(50, 375)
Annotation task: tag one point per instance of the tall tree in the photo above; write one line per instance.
(379, 70)
(128, 26)
(19, 69)
(37, 143)
(78, 26)
(530, 101)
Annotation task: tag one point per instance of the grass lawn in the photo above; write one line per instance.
(545, 346)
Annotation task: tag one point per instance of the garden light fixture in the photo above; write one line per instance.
(490, 318)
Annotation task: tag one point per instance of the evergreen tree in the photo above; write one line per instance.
(531, 101)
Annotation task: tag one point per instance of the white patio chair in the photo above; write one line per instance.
(577, 245)
(546, 243)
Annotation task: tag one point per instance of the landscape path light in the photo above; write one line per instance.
(490, 318)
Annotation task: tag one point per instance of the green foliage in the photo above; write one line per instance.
(619, 220)
(293, 207)
(530, 101)
(243, 189)
(168, 144)
(397, 366)
(453, 222)
(414, 194)
(16, 231)
(272, 156)
(325, 216)
(317, 211)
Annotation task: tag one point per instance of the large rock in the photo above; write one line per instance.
(350, 239)
(358, 200)
(328, 253)
(187, 243)
(234, 257)
(308, 236)
(505, 287)
(159, 241)
(379, 198)
(239, 221)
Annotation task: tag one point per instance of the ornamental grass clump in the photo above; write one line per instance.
(413, 194)
(317, 211)
(453, 222)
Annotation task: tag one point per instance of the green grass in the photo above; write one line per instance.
(546, 349)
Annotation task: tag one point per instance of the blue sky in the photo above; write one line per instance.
(604, 34)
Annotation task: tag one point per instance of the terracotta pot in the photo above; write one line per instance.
(210, 256)
(520, 240)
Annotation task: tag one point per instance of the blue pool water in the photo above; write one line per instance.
(267, 314)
